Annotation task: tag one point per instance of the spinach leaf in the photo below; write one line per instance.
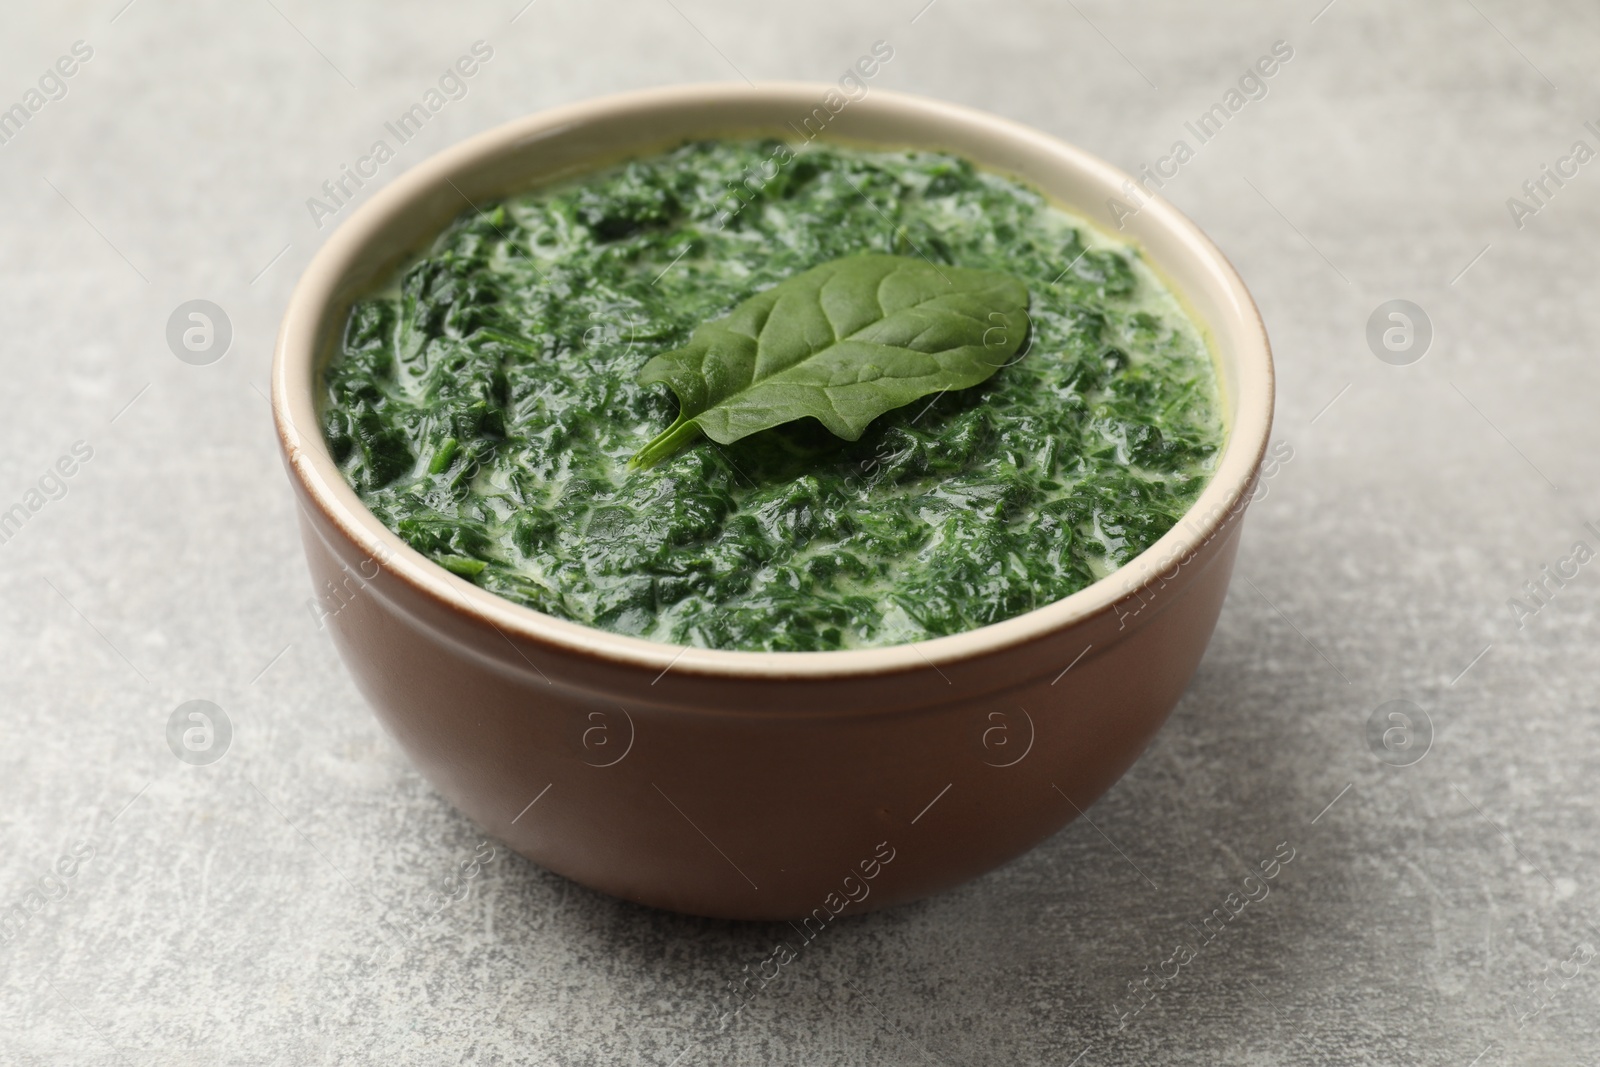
(842, 342)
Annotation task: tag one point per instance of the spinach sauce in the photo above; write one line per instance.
(486, 407)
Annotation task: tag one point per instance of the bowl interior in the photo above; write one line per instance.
(404, 217)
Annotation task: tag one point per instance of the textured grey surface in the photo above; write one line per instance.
(280, 905)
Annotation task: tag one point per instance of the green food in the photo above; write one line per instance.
(843, 343)
(487, 405)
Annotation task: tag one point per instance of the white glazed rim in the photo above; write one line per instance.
(325, 280)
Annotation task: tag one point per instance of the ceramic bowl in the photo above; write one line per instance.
(762, 785)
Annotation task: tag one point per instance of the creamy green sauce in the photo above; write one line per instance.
(485, 408)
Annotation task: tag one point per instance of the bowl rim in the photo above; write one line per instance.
(324, 282)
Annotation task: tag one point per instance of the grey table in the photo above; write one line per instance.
(278, 905)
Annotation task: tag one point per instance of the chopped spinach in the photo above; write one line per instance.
(487, 405)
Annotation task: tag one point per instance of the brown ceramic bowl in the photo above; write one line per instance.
(761, 785)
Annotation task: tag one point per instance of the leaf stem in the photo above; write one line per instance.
(665, 443)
